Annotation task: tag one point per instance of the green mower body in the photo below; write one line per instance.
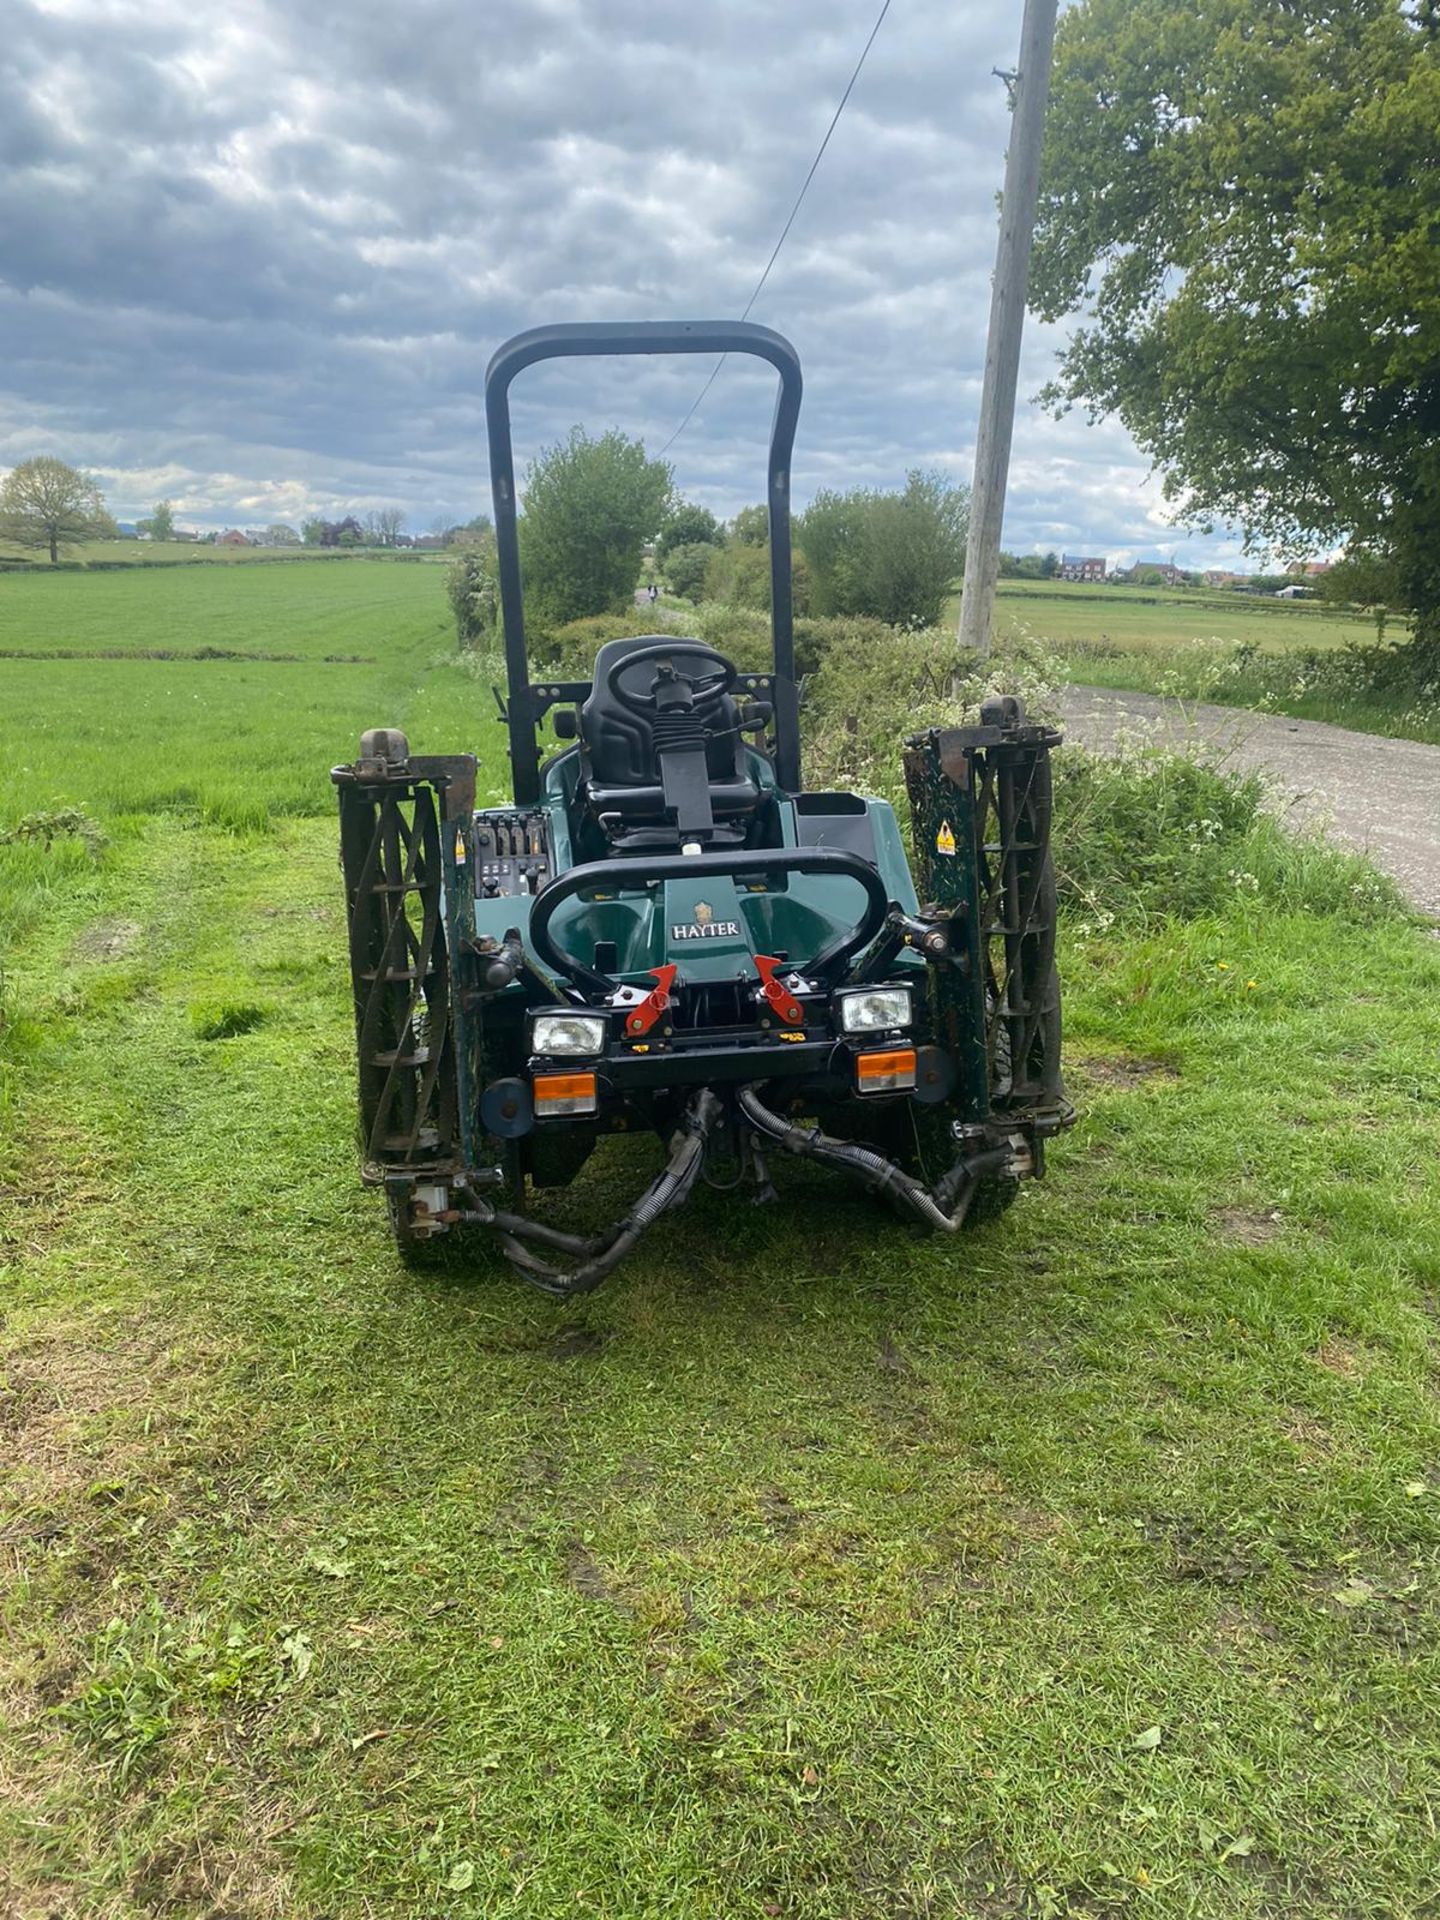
(666, 933)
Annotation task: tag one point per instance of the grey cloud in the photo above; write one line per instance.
(268, 251)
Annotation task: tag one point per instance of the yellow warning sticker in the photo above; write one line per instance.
(945, 838)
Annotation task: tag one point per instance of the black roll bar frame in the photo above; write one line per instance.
(527, 703)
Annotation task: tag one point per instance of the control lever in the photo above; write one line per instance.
(776, 993)
(657, 1002)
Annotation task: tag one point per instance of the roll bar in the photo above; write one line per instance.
(619, 876)
(528, 703)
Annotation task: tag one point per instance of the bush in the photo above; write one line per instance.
(1150, 835)
(685, 569)
(570, 651)
(473, 586)
(893, 555)
(740, 575)
(875, 685)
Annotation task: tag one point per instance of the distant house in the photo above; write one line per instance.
(232, 537)
(1308, 569)
(432, 541)
(1222, 577)
(1072, 567)
(1158, 573)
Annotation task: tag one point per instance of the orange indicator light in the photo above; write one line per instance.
(561, 1093)
(890, 1071)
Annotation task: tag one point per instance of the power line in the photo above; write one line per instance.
(785, 230)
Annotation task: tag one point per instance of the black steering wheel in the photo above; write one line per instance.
(724, 676)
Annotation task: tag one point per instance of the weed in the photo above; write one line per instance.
(224, 1019)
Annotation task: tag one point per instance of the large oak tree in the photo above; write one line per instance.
(1242, 199)
(44, 503)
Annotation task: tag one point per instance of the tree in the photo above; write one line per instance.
(383, 528)
(44, 503)
(894, 556)
(161, 524)
(281, 535)
(751, 527)
(590, 506)
(689, 525)
(685, 569)
(1362, 579)
(472, 583)
(1241, 197)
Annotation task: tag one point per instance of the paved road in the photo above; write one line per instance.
(1382, 796)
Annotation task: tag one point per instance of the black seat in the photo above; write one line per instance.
(621, 769)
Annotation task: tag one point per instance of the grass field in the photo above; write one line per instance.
(168, 553)
(1085, 1566)
(1148, 621)
(1212, 646)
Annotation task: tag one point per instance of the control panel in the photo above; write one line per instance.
(511, 854)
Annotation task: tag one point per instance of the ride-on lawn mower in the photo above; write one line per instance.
(666, 932)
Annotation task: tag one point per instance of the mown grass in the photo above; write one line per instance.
(1084, 1565)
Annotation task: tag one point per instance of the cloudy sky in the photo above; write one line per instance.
(255, 257)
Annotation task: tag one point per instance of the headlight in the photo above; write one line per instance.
(874, 1009)
(568, 1033)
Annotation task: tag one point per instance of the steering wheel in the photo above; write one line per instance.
(724, 675)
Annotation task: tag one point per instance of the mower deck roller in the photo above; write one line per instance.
(666, 932)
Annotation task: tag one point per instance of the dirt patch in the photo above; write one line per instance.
(892, 1360)
(1346, 1359)
(1204, 1553)
(1242, 1227)
(204, 1876)
(577, 1343)
(587, 1576)
(1119, 1070)
(778, 1512)
(1308, 1436)
(108, 940)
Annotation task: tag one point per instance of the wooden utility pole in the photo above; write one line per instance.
(1007, 318)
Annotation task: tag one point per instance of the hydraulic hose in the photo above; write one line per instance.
(944, 1207)
(603, 1253)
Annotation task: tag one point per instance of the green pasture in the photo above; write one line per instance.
(1082, 1565)
(1156, 620)
(227, 697)
(168, 553)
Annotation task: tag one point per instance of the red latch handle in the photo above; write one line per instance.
(642, 1018)
(778, 995)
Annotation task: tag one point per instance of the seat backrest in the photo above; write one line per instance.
(620, 744)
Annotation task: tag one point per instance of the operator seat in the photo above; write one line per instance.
(620, 769)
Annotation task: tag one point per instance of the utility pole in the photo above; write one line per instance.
(1007, 318)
